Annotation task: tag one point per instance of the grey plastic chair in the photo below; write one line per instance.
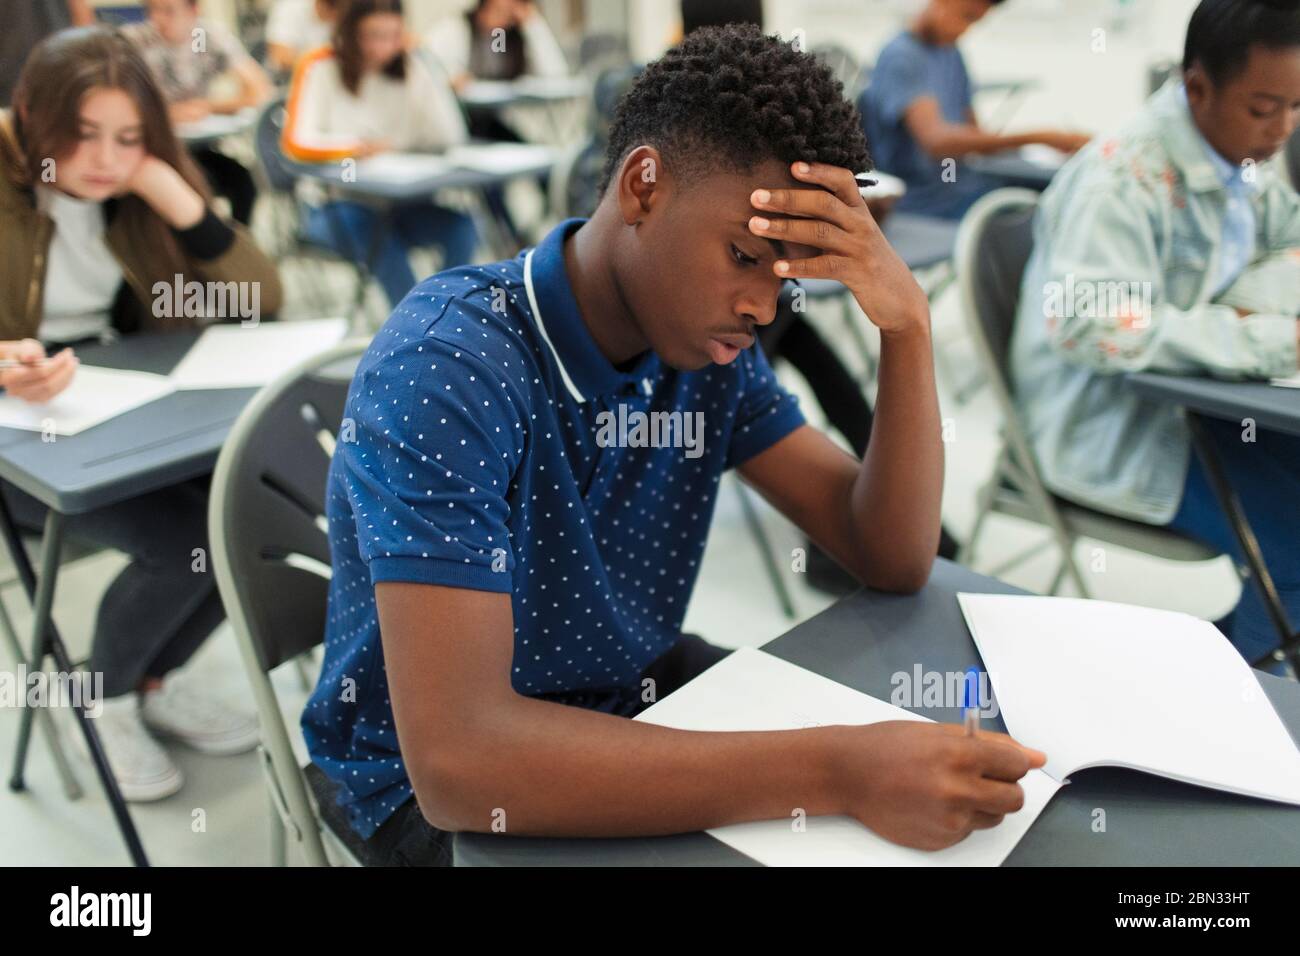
(270, 554)
(993, 247)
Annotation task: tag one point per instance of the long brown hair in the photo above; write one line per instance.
(347, 41)
(58, 75)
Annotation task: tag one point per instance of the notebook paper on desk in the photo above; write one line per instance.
(401, 169)
(752, 690)
(230, 356)
(500, 158)
(94, 396)
(1093, 683)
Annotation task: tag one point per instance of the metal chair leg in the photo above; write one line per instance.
(279, 852)
(765, 550)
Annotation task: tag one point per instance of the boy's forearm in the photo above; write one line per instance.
(897, 498)
(546, 769)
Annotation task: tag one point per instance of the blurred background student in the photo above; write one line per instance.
(366, 95)
(126, 208)
(919, 114)
(27, 23)
(495, 40)
(191, 56)
(295, 27)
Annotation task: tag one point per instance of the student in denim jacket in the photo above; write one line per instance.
(1181, 203)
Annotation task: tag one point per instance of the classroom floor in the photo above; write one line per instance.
(733, 605)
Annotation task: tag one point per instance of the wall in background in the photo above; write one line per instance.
(1051, 40)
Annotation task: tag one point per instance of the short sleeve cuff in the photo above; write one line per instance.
(441, 571)
(761, 434)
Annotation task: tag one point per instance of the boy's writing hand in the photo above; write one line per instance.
(835, 219)
(928, 785)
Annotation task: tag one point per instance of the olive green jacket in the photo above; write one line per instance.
(214, 252)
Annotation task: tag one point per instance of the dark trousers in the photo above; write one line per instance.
(158, 610)
(230, 179)
(407, 839)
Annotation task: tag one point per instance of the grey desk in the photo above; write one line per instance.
(387, 193)
(362, 186)
(864, 639)
(1273, 408)
(921, 242)
(170, 440)
(165, 442)
(216, 127)
(1015, 169)
(526, 91)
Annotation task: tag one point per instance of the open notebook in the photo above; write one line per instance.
(1088, 682)
(752, 690)
(1093, 683)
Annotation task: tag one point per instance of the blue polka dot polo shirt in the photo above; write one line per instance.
(488, 443)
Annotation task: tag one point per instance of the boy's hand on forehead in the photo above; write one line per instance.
(832, 216)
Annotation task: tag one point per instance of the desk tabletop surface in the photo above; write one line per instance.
(1271, 406)
(439, 178)
(170, 440)
(865, 639)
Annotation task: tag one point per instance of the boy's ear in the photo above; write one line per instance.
(640, 184)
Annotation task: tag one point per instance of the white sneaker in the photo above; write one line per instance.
(185, 714)
(143, 770)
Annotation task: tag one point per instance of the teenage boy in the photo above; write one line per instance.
(508, 567)
(1178, 211)
(919, 114)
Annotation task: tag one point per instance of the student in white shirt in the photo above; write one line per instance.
(366, 95)
(295, 27)
(189, 56)
(495, 40)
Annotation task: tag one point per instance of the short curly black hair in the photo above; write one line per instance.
(731, 98)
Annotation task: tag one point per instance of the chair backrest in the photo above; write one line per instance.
(993, 247)
(575, 180)
(270, 546)
(275, 168)
(608, 89)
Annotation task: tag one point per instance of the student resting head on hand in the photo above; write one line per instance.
(512, 563)
(98, 204)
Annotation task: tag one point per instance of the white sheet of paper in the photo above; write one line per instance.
(231, 356)
(552, 87)
(1042, 155)
(218, 124)
(1094, 683)
(1291, 381)
(94, 396)
(752, 690)
(401, 168)
(502, 158)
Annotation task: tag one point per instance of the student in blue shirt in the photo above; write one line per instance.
(1182, 212)
(919, 117)
(513, 553)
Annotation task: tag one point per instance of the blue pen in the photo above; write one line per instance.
(971, 703)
